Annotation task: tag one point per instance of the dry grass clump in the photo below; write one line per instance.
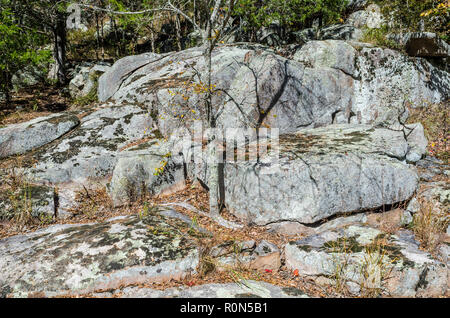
(15, 187)
(430, 224)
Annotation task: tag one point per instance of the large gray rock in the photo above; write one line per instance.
(85, 80)
(387, 80)
(372, 259)
(333, 54)
(254, 85)
(37, 200)
(111, 80)
(78, 259)
(383, 80)
(290, 95)
(149, 168)
(19, 138)
(322, 172)
(91, 150)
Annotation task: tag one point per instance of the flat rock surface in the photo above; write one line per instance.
(91, 150)
(243, 289)
(322, 172)
(40, 204)
(20, 138)
(75, 259)
(370, 258)
(148, 167)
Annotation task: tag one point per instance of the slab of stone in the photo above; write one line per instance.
(322, 88)
(320, 173)
(331, 53)
(20, 138)
(163, 85)
(263, 256)
(79, 259)
(113, 78)
(91, 150)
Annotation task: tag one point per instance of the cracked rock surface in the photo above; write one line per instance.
(76, 259)
(321, 173)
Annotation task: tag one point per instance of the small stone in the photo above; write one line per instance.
(290, 228)
(406, 219)
(413, 206)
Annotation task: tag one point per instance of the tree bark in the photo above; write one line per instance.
(59, 50)
(213, 182)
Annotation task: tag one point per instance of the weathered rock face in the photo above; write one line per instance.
(283, 89)
(326, 82)
(38, 200)
(322, 172)
(91, 150)
(147, 168)
(371, 259)
(77, 259)
(20, 138)
(110, 81)
(261, 257)
(85, 81)
(339, 55)
(244, 289)
(389, 79)
(383, 80)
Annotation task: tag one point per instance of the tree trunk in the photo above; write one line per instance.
(178, 32)
(213, 182)
(59, 50)
(6, 78)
